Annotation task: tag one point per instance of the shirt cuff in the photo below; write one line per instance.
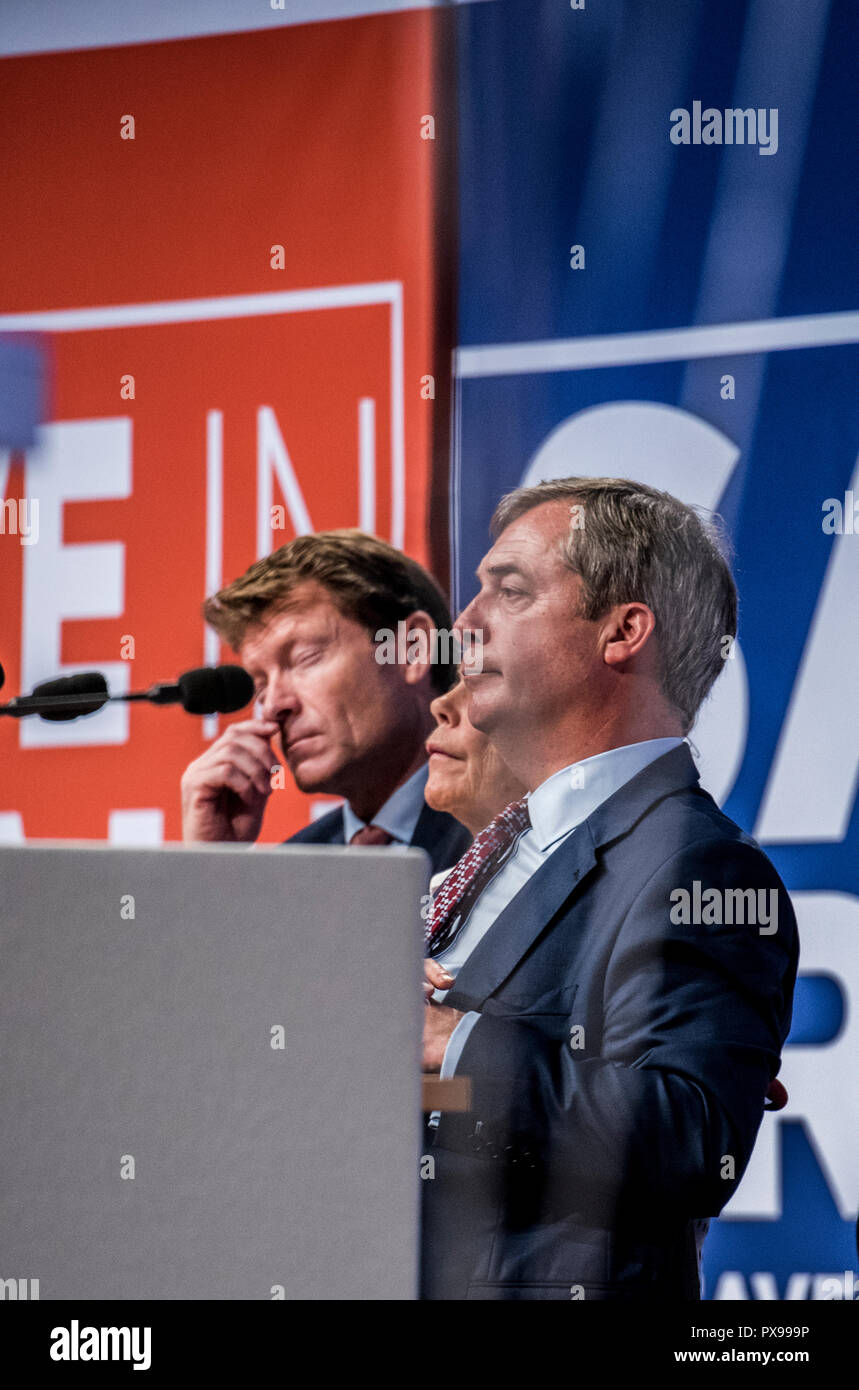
(455, 1044)
(452, 1053)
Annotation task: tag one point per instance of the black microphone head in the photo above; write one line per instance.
(85, 683)
(237, 689)
(215, 689)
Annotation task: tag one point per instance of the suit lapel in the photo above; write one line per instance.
(498, 952)
(332, 827)
(512, 933)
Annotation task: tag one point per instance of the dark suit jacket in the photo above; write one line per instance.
(620, 1064)
(443, 838)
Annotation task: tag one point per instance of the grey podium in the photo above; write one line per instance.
(210, 1075)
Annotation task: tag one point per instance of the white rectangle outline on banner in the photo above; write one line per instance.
(627, 350)
(254, 306)
(41, 29)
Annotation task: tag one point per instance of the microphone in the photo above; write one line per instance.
(205, 690)
(65, 698)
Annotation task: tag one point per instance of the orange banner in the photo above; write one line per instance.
(227, 243)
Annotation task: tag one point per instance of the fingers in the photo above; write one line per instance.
(266, 728)
(255, 767)
(241, 759)
(254, 735)
(438, 977)
(250, 789)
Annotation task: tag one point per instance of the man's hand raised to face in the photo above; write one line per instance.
(226, 789)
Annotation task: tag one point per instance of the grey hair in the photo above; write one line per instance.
(630, 543)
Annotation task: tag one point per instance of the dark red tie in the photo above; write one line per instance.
(467, 879)
(371, 835)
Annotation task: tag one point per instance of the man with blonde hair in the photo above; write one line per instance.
(304, 623)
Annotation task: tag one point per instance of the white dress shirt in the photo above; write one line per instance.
(558, 805)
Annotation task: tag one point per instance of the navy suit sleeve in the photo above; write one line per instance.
(693, 1018)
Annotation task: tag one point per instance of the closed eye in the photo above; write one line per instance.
(306, 658)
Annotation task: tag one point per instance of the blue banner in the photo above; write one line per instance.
(658, 280)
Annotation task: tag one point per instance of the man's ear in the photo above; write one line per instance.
(420, 645)
(628, 629)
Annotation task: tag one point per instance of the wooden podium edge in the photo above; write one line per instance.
(452, 1094)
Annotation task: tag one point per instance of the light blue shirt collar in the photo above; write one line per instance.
(568, 797)
(400, 813)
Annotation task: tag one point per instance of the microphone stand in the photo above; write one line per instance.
(46, 704)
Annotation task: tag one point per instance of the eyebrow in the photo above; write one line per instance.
(286, 646)
(504, 567)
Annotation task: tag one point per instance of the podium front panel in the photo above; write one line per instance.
(210, 1078)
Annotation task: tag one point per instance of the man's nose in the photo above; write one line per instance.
(469, 618)
(279, 698)
(472, 634)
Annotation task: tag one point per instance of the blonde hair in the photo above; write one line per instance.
(368, 580)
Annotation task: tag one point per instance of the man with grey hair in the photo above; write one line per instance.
(618, 1005)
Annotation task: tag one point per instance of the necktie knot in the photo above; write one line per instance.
(504, 829)
(371, 835)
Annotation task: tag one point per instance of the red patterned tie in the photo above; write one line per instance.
(467, 879)
(371, 835)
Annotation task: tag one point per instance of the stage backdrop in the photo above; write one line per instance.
(685, 313)
(640, 295)
(227, 245)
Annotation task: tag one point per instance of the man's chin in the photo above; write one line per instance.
(314, 775)
(485, 703)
